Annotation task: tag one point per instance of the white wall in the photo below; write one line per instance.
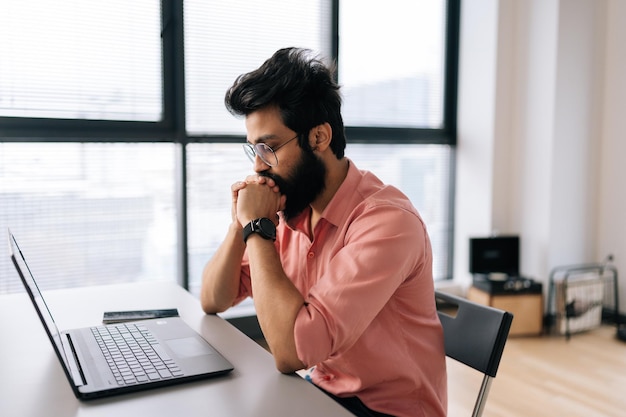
(540, 155)
(611, 188)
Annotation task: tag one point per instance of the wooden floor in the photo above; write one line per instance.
(549, 376)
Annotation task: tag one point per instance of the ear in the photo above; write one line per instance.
(320, 137)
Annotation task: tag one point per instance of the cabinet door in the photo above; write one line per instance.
(527, 309)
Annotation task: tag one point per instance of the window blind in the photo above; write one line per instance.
(99, 212)
(391, 62)
(89, 213)
(81, 59)
(226, 39)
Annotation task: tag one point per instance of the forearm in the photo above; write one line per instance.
(277, 302)
(221, 275)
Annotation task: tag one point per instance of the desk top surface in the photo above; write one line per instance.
(32, 382)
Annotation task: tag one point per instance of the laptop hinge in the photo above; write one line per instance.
(73, 363)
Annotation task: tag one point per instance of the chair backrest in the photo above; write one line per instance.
(474, 335)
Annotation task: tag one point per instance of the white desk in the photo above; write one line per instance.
(32, 382)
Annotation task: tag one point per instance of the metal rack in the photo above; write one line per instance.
(600, 279)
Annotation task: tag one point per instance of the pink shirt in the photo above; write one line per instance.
(369, 325)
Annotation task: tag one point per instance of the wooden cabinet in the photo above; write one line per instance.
(527, 309)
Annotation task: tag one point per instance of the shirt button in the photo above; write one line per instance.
(311, 255)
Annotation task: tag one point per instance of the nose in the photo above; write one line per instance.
(259, 164)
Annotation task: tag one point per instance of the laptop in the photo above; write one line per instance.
(112, 359)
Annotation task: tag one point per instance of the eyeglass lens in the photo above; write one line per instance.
(266, 153)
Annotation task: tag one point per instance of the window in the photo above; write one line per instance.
(391, 62)
(89, 213)
(225, 39)
(81, 59)
(116, 156)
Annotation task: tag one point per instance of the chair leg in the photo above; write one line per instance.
(482, 396)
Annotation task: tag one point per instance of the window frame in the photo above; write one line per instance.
(172, 126)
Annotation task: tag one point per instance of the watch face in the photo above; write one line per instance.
(267, 228)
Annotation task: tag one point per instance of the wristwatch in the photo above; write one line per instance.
(263, 226)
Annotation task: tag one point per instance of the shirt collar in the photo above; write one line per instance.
(336, 209)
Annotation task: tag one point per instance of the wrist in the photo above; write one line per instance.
(235, 227)
(262, 226)
(234, 232)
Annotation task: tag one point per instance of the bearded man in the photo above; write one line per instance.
(339, 265)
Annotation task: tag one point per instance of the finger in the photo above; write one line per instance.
(269, 181)
(238, 186)
(252, 179)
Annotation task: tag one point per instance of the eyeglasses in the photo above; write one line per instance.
(267, 154)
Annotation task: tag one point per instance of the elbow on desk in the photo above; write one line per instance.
(288, 365)
(209, 306)
(285, 368)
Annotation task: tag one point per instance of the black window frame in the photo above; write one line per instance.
(171, 128)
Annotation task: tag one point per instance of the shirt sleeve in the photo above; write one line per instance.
(384, 246)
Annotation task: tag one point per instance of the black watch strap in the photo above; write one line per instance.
(263, 226)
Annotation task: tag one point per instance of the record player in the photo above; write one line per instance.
(494, 265)
(505, 284)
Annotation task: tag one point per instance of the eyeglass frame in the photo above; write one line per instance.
(252, 151)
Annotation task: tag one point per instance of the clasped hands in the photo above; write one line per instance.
(257, 196)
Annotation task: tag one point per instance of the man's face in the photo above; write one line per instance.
(299, 174)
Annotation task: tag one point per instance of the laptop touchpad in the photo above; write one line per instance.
(189, 347)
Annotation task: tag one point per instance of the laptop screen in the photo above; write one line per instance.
(35, 294)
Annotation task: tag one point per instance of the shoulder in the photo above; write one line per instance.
(363, 199)
(374, 194)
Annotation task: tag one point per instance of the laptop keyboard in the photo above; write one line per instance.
(133, 354)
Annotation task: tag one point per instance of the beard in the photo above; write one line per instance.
(303, 185)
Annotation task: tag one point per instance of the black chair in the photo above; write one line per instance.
(475, 335)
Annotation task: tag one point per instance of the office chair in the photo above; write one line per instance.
(474, 335)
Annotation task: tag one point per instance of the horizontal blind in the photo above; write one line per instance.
(89, 213)
(391, 62)
(81, 59)
(226, 39)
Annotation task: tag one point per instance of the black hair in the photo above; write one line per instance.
(301, 86)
